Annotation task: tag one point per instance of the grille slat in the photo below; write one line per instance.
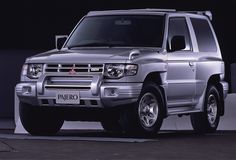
(58, 86)
(78, 82)
(80, 68)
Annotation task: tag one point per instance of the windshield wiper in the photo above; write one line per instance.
(95, 44)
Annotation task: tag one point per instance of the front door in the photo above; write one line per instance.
(181, 71)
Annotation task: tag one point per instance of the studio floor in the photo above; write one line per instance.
(98, 145)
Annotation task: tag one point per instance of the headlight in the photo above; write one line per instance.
(115, 71)
(34, 70)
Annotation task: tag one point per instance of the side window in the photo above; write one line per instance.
(205, 39)
(178, 28)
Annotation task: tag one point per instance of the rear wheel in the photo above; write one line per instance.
(144, 117)
(40, 121)
(208, 120)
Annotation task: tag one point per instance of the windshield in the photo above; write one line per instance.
(118, 31)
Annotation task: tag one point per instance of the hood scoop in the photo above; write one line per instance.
(134, 54)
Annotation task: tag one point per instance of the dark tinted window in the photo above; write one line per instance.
(178, 27)
(134, 31)
(205, 39)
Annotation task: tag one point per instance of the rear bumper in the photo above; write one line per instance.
(100, 95)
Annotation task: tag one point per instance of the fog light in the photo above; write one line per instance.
(26, 90)
(111, 92)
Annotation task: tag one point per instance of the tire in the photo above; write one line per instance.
(145, 117)
(111, 122)
(40, 121)
(111, 125)
(208, 120)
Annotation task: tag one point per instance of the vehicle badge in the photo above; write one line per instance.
(72, 71)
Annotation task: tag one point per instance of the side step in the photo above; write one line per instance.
(182, 110)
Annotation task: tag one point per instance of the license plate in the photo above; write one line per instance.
(68, 97)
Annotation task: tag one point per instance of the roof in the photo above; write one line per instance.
(149, 10)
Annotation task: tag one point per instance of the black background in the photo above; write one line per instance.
(32, 25)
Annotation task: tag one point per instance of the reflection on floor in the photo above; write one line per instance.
(227, 122)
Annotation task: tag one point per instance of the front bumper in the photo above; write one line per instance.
(98, 94)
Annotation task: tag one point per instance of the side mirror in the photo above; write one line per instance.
(177, 43)
(60, 40)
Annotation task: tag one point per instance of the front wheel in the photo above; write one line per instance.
(208, 120)
(111, 121)
(146, 115)
(40, 121)
(111, 125)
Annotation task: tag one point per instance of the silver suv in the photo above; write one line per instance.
(128, 69)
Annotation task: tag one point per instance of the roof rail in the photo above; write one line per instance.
(154, 10)
(134, 10)
(205, 13)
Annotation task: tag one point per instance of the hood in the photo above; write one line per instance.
(94, 55)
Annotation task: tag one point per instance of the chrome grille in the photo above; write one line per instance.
(78, 68)
(78, 82)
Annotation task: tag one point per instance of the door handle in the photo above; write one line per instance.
(191, 64)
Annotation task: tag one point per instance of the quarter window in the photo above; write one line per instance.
(205, 39)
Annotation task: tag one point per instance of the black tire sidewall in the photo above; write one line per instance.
(40, 121)
(111, 126)
(212, 90)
